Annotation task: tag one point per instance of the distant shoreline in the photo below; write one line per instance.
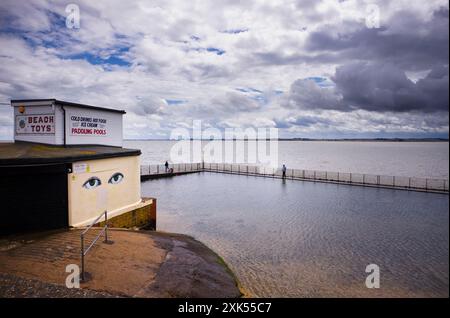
(308, 139)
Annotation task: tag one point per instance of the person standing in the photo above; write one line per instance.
(167, 166)
(284, 171)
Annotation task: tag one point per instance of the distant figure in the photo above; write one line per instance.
(284, 171)
(167, 166)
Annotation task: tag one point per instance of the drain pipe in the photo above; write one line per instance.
(64, 124)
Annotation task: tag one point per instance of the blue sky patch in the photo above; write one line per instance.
(235, 31)
(215, 50)
(317, 79)
(321, 81)
(248, 90)
(175, 101)
(97, 60)
(113, 59)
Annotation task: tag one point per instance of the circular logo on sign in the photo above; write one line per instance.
(22, 123)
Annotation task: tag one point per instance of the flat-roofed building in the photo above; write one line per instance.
(66, 166)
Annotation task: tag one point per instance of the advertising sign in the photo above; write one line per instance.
(35, 124)
(88, 126)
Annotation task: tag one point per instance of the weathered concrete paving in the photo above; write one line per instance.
(12, 286)
(138, 264)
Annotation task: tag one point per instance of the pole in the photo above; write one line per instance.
(82, 257)
(106, 226)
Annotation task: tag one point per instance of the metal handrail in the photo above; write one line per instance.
(103, 231)
(394, 182)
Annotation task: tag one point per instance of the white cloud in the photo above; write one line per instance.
(197, 52)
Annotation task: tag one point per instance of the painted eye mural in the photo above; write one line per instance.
(116, 178)
(92, 183)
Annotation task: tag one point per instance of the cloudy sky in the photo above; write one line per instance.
(317, 69)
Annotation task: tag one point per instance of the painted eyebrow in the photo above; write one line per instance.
(93, 178)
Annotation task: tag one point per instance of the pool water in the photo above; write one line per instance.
(287, 238)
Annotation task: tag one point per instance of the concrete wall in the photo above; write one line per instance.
(143, 216)
(89, 200)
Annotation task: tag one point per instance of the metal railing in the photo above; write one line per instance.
(177, 168)
(82, 235)
(372, 180)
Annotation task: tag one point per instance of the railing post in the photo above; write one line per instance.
(82, 256)
(106, 226)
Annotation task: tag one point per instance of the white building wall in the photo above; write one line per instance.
(93, 127)
(20, 135)
(59, 128)
(82, 126)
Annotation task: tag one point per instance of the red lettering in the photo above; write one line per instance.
(81, 131)
(99, 132)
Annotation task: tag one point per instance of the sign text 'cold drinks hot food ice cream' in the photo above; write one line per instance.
(81, 125)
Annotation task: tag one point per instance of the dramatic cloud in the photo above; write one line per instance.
(374, 87)
(311, 68)
(405, 40)
(384, 87)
